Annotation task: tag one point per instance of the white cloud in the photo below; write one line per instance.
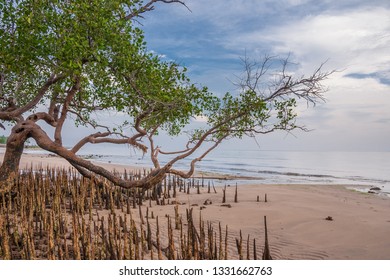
(355, 40)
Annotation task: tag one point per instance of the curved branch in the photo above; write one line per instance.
(99, 137)
(138, 120)
(46, 143)
(43, 116)
(194, 161)
(88, 139)
(174, 153)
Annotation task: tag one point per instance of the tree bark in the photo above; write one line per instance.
(13, 153)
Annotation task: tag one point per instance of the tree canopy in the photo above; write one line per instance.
(64, 58)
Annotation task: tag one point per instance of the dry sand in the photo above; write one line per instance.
(296, 215)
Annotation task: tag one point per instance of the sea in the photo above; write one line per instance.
(360, 170)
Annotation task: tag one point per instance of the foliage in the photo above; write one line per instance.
(92, 41)
(86, 56)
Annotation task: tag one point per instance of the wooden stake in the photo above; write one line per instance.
(236, 195)
(266, 253)
(224, 195)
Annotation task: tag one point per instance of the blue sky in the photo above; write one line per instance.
(352, 36)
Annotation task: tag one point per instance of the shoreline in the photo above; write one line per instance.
(298, 228)
(56, 161)
(221, 178)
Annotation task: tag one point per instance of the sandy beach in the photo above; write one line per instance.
(304, 221)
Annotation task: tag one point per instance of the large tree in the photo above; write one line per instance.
(64, 60)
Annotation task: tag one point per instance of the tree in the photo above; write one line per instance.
(63, 59)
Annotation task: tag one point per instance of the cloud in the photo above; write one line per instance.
(357, 39)
(353, 36)
(382, 77)
(384, 121)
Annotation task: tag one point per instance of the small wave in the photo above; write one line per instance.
(236, 164)
(295, 174)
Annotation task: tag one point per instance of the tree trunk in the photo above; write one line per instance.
(13, 153)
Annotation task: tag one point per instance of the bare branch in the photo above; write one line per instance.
(43, 116)
(194, 161)
(154, 151)
(150, 6)
(88, 139)
(174, 153)
(99, 137)
(285, 84)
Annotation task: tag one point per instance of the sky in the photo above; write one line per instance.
(350, 36)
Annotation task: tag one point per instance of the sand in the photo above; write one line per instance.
(357, 228)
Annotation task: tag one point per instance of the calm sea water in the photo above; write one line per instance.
(371, 169)
(358, 168)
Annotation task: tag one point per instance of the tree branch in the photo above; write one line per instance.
(194, 161)
(65, 107)
(150, 6)
(16, 114)
(46, 143)
(43, 116)
(99, 137)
